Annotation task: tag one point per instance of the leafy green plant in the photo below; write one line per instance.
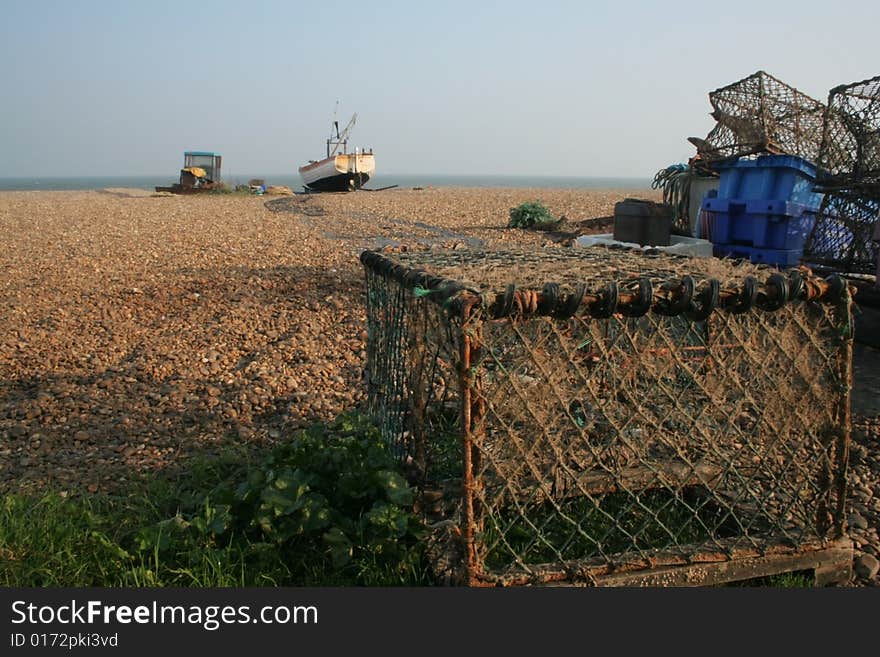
(335, 485)
(532, 215)
(330, 501)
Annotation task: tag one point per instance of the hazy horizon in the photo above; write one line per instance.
(559, 89)
(226, 176)
(293, 181)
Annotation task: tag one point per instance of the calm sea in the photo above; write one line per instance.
(295, 183)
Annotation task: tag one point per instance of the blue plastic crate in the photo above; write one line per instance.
(762, 224)
(769, 178)
(775, 257)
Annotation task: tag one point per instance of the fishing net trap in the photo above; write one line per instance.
(604, 416)
(761, 114)
(850, 154)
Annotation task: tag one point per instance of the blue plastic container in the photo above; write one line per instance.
(758, 223)
(776, 257)
(769, 178)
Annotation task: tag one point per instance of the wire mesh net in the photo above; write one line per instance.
(761, 114)
(590, 411)
(842, 237)
(850, 155)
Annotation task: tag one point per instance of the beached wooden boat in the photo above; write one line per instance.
(339, 171)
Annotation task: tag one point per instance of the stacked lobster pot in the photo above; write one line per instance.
(761, 114)
(844, 238)
(764, 145)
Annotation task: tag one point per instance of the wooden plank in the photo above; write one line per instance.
(672, 475)
(835, 571)
(830, 566)
(713, 563)
(661, 474)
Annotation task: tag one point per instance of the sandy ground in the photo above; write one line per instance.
(138, 330)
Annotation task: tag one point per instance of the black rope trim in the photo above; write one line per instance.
(681, 302)
(607, 303)
(549, 299)
(417, 277)
(747, 296)
(837, 287)
(506, 301)
(795, 285)
(779, 284)
(680, 299)
(708, 301)
(572, 302)
(643, 302)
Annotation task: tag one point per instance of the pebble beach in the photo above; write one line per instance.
(140, 330)
(137, 330)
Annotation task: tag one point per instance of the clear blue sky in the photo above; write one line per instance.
(553, 88)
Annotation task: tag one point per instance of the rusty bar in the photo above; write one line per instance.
(467, 529)
(526, 302)
(477, 410)
(844, 413)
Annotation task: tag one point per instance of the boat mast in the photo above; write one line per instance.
(341, 137)
(334, 125)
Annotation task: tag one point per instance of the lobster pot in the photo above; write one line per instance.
(761, 114)
(843, 236)
(850, 155)
(604, 416)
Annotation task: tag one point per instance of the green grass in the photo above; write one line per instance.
(178, 532)
(53, 540)
(795, 580)
(581, 528)
(90, 541)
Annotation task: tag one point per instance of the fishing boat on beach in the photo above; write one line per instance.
(340, 171)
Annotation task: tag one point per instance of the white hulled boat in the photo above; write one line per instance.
(339, 171)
